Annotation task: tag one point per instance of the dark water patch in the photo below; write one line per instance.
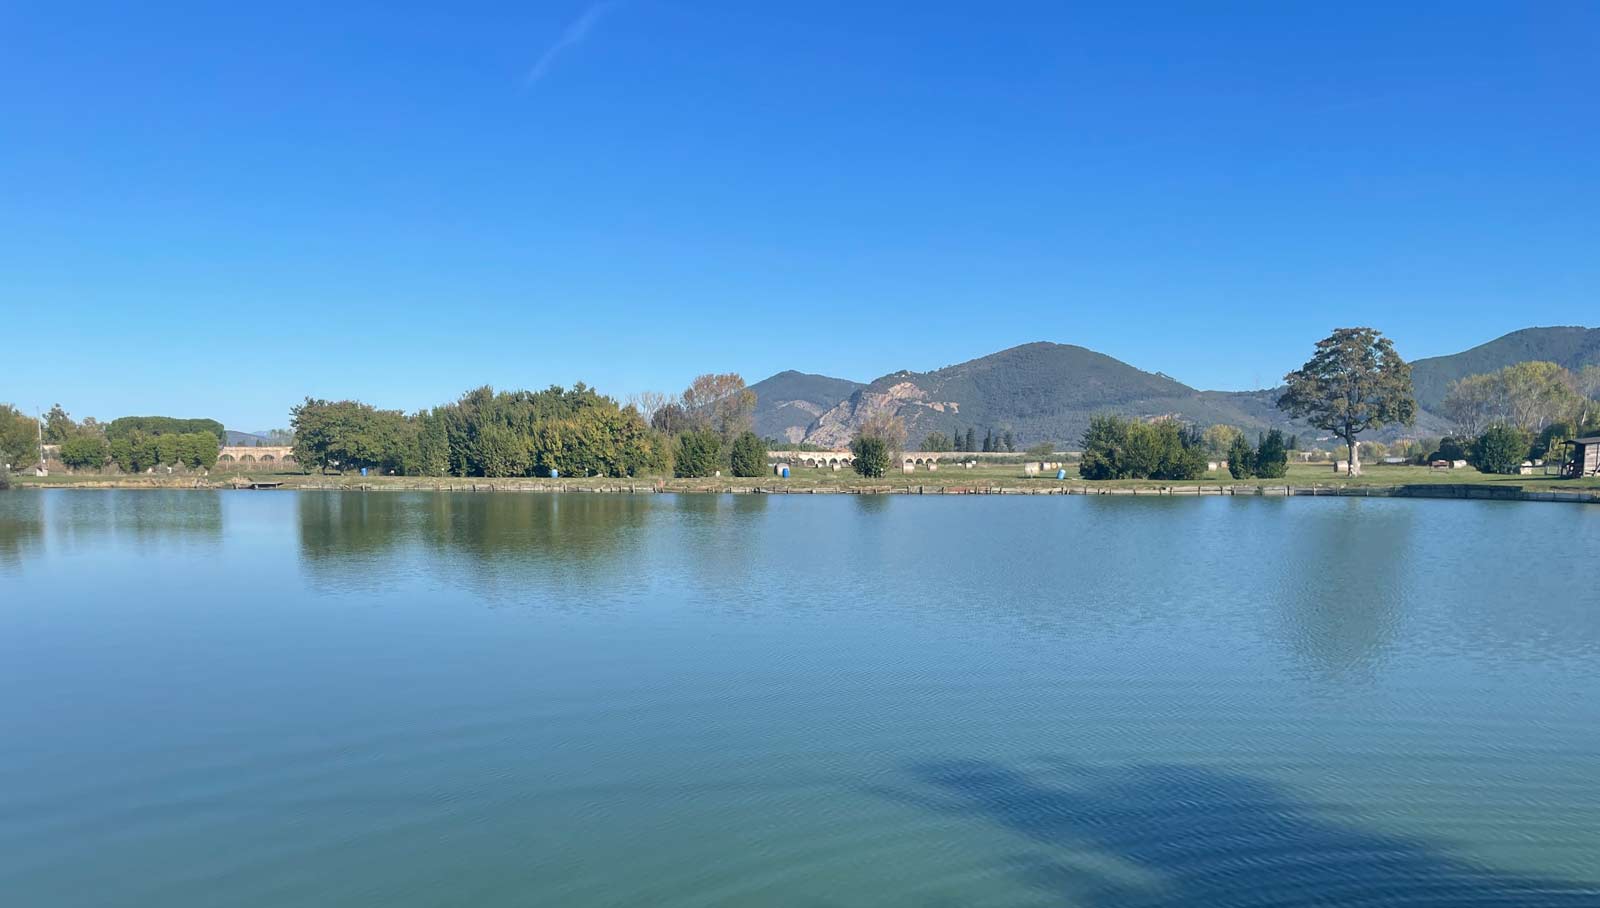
(1204, 836)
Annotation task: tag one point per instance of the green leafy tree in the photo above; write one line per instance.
(749, 455)
(1103, 443)
(871, 456)
(936, 441)
(58, 426)
(1241, 458)
(197, 450)
(697, 454)
(1271, 460)
(167, 449)
(1450, 448)
(1118, 448)
(1354, 382)
(163, 425)
(347, 435)
(1500, 449)
(84, 451)
(571, 431)
(19, 438)
(1041, 450)
(972, 440)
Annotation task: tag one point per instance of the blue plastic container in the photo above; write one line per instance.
(1061, 474)
(785, 473)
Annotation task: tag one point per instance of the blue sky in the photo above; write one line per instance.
(216, 209)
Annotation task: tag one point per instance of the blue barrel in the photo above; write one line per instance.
(784, 473)
(363, 471)
(1061, 474)
(555, 473)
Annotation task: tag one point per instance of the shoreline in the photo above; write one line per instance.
(1472, 491)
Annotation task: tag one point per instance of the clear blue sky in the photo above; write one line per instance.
(216, 209)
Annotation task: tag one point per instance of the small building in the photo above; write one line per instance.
(1585, 459)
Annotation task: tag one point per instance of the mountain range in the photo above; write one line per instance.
(1048, 391)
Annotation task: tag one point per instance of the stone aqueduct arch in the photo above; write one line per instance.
(822, 460)
(245, 457)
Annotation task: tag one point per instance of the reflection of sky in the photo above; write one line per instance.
(655, 687)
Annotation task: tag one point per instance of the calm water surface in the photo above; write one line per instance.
(270, 699)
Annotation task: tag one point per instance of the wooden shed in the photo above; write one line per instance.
(1585, 457)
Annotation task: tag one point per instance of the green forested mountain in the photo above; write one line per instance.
(1570, 347)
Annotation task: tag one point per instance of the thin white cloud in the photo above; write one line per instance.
(571, 36)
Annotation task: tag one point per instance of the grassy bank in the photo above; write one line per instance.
(985, 478)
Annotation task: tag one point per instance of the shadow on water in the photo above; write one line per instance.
(1176, 836)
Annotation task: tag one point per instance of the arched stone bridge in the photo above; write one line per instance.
(909, 461)
(817, 460)
(255, 457)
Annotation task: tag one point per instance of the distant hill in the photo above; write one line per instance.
(251, 439)
(787, 403)
(1048, 392)
(1571, 347)
(1038, 392)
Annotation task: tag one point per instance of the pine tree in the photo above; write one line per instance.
(972, 439)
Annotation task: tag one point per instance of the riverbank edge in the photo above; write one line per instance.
(682, 487)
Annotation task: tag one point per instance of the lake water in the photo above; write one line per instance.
(271, 699)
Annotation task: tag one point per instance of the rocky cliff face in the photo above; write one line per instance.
(789, 402)
(836, 427)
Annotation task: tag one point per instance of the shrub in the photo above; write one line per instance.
(749, 455)
(1241, 458)
(872, 456)
(1500, 449)
(84, 452)
(1449, 449)
(1117, 448)
(1272, 456)
(697, 453)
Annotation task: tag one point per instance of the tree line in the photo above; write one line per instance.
(1523, 412)
(134, 443)
(556, 432)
